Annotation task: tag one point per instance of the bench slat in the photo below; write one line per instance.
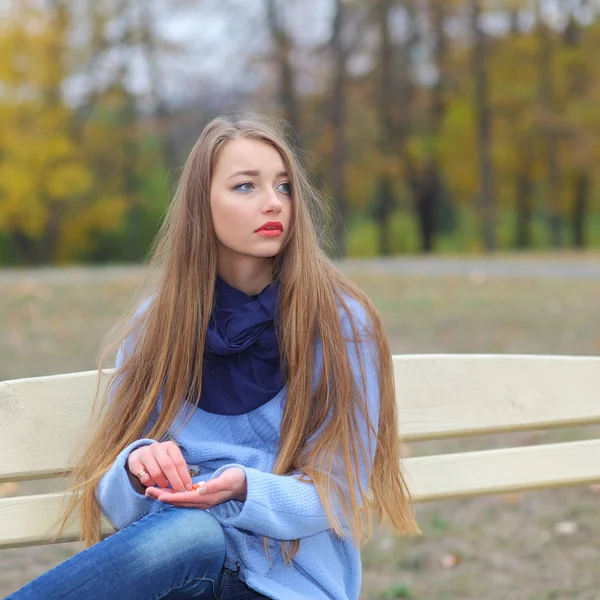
(461, 475)
(30, 520)
(442, 396)
(42, 423)
(26, 520)
(438, 396)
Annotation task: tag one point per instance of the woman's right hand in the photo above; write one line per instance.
(161, 465)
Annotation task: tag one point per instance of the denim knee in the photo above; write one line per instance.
(184, 538)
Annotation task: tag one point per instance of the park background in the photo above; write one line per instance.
(456, 142)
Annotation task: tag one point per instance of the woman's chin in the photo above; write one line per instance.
(267, 250)
(267, 254)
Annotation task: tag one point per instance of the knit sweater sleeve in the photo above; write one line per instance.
(120, 503)
(282, 506)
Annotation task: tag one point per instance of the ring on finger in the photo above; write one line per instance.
(142, 473)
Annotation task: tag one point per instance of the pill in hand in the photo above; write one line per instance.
(199, 487)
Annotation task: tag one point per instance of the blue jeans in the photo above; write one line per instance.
(172, 554)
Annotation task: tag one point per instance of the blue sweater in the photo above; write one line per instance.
(280, 507)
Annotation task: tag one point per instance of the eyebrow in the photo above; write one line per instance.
(254, 173)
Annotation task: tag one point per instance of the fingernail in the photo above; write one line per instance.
(200, 487)
(188, 487)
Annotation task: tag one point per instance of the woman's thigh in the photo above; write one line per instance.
(171, 549)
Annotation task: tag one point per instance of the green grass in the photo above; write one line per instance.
(507, 547)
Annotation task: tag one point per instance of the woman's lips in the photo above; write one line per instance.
(269, 232)
(270, 229)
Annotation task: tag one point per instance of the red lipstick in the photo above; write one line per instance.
(270, 229)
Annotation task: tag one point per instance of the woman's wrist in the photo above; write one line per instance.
(137, 485)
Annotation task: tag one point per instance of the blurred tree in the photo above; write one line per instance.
(42, 174)
(390, 134)
(336, 127)
(288, 96)
(483, 113)
(423, 170)
(513, 94)
(578, 95)
(547, 123)
(347, 30)
(152, 46)
(408, 104)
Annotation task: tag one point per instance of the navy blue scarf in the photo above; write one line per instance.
(241, 369)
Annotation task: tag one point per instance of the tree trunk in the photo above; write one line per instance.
(48, 244)
(27, 250)
(45, 250)
(484, 128)
(523, 208)
(438, 105)
(428, 194)
(337, 112)
(427, 202)
(578, 82)
(580, 209)
(550, 143)
(135, 249)
(383, 214)
(385, 201)
(287, 89)
(160, 111)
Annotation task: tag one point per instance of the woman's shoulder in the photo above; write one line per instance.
(135, 328)
(352, 311)
(143, 306)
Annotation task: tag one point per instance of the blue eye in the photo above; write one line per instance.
(240, 187)
(288, 189)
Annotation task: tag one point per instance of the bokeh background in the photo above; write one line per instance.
(432, 125)
(456, 142)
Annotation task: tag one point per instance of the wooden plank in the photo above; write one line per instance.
(43, 422)
(461, 475)
(30, 520)
(441, 396)
(438, 396)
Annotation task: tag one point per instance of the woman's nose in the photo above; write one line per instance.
(272, 202)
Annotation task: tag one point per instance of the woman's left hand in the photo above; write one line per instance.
(229, 485)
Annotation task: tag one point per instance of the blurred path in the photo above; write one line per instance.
(585, 266)
(70, 274)
(544, 268)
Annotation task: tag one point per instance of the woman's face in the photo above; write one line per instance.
(250, 200)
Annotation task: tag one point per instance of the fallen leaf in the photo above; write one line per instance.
(565, 528)
(512, 498)
(449, 561)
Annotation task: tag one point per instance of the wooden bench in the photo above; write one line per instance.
(42, 422)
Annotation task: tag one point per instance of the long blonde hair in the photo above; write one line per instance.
(167, 354)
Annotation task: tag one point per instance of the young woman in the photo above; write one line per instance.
(250, 430)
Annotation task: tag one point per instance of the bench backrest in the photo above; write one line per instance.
(43, 421)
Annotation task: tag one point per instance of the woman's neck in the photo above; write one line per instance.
(250, 276)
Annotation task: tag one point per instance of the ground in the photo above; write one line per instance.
(531, 546)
